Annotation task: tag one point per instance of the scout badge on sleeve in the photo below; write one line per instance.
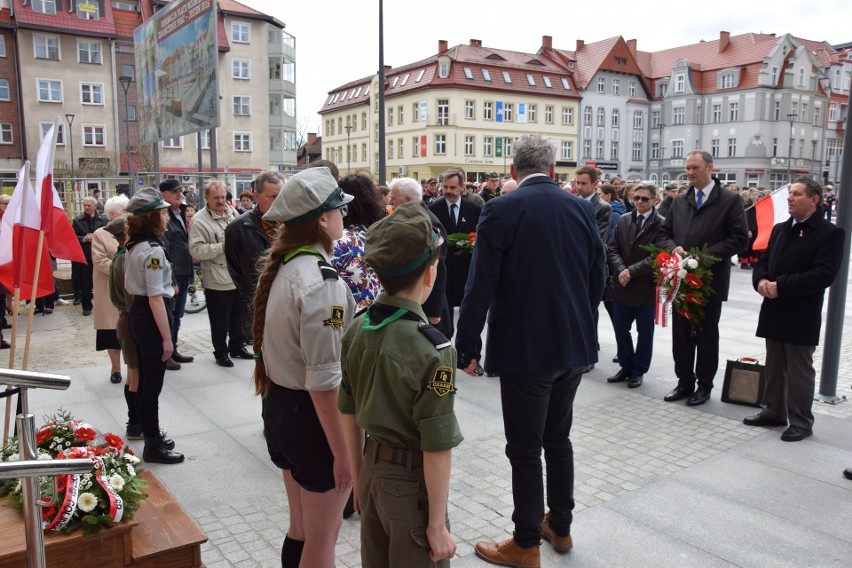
(442, 381)
(336, 319)
(155, 264)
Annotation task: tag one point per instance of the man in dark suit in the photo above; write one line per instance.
(706, 214)
(586, 181)
(801, 261)
(176, 241)
(539, 266)
(457, 215)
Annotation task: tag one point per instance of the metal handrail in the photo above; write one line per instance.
(44, 468)
(34, 380)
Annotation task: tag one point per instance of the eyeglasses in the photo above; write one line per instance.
(642, 198)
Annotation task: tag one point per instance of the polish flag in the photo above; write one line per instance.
(770, 210)
(60, 238)
(19, 234)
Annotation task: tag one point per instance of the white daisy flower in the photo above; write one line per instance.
(116, 482)
(87, 502)
(131, 471)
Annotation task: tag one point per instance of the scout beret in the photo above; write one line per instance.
(145, 200)
(170, 185)
(306, 196)
(401, 242)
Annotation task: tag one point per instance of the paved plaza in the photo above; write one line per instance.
(657, 484)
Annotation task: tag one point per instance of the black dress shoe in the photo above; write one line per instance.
(677, 393)
(621, 376)
(698, 398)
(115, 378)
(241, 353)
(172, 365)
(5, 344)
(761, 420)
(7, 325)
(615, 359)
(87, 312)
(76, 301)
(847, 473)
(794, 434)
(224, 361)
(156, 451)
(635, 381)
(587, 368)
(182, 358)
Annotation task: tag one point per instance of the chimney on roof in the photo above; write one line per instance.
(476, 43)
(547, 42)
(580, 44)
(442, 45)
(388, 68)
(312, 138)
(724, 40)
(631, 45)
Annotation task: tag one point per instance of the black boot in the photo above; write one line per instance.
(156, 451)
(291, 552)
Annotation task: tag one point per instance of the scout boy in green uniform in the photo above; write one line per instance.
(398, 385)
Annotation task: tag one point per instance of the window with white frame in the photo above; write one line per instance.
(531, 113)
(89, 52)
(507, 111)
(714, 147)
(547, 82)
(486, 75)
(615, 118)
(6, 133)
(2, 46)
(680, 83)
(773, 75)
(636, 154)
(487, 146)
(587, 149)
(399, 149)
(530, 79)
(363, 121)
(732, 147)
(44, 127)
(390, 148)
(468, 73)
(678, 114)
(94, 135)
(548, 114)
(775, 147)
(601, 117)
(242, 106)
(817, 114)
(631, 89)
(5, 94)
(567, 149)
(726, 81)
(804, 112)
(507, 78)
(733, 112)
(470, 109)
(677, 149)
(487, 110)
(847, 80)
(638, 119)
(44, 6)
(440, 144)
(655, 119)
(833, 147)
(801, 79)
(613, 150)
(130, 112)
(443, 112)
(49, 91)
(469, 143)
(716, 115)
(833, 112)
(655, 150)
(400, 113)
(390, 116)
(443, 69)
(599, 149)
(565, 84)
(173, 143)
(663, 89)
(776, 112)
(587, 115)
(46, 47)
(601, 85)
(567, 115)
(241, 69)
(507, 147)
(242, 141)
(616, 86)
(239, 32)
(91, 93)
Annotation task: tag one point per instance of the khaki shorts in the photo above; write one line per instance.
(128, 348)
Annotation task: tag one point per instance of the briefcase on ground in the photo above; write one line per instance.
(745, 379)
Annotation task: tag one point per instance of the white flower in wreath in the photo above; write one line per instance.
(87, 502)
(13, 458)
(116, 482)
(131, 458)
(691, 263)
(682, 273)
(18, 487)
(131, 471)
(44, 456)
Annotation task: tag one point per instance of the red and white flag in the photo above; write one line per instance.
(19, 242)
(59, 236)
(770, 210)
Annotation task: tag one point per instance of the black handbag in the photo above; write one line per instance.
(745, 379)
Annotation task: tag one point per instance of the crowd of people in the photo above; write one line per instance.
(344, 294)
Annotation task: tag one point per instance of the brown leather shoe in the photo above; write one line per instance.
(560, 543)
(508, 553)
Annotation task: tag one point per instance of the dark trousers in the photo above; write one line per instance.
(790, 382)
(696, 355)
(149, 347)
(84, 278)
(635, 361)
(538, 409)
(178, 305)
(224, 308)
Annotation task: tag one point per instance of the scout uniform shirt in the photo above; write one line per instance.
(309, 306)
(147, 272)
(399, 385)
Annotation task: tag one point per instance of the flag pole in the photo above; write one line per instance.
(33, 301)
(8, 414)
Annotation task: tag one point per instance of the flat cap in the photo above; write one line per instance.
(306, 196)
(145, 200)
(431, 181)
(170, 185)
(401, 242)
(491, 175)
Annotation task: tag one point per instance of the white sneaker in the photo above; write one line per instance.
(61, 302)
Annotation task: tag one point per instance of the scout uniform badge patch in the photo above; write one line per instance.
(155, 264)
(442, 381)
(336, 319)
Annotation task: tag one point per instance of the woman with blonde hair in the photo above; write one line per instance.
(300, 309)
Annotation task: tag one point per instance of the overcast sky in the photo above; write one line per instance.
(337, 40)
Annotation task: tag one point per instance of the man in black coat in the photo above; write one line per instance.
(801, 261)
(538, 273)
(633, 288)
(457, 215)
(706, 214)
(84, 226)
(176, 241)
(247, 239)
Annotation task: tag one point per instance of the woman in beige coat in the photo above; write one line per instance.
(104, 247)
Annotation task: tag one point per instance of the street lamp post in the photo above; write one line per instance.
(70, 118)
(791, 117)
(125, 84)
(348, 128)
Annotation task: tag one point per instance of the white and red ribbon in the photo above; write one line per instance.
(668, 272)
(68, 507)
(116, 504)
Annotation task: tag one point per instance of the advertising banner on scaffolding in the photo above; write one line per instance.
(176, 63)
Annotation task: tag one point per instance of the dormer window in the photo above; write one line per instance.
(44, 6)
(680, 83)
(801, 81)
(88, 10)
(444, 69)
(726, 81)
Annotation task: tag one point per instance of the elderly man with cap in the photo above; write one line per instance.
(490, 190)
(398, 386)
(224, 306)
(301, 307)
(430, 191)
(176, 241)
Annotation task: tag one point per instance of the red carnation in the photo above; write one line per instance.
(663, 258)
(85, 434)
(114, 441)
(471, 235)
(43, 435)
(694, 280)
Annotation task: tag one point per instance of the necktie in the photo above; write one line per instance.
(454, 215)
(640, 222)
(699, 199)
